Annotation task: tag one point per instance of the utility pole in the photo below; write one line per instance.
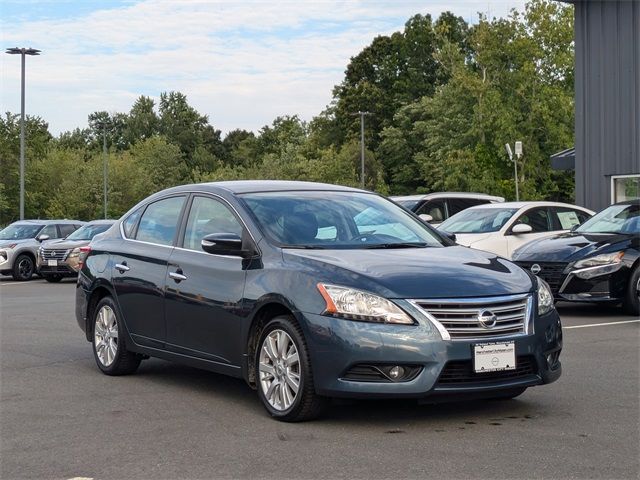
(515, 163)
(362, 115)
(23, 52)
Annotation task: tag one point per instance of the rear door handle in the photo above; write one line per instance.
(178, 277)
(122, 267)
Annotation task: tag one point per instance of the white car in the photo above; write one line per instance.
(501, 228)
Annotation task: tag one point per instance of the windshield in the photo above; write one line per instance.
(337, 220)
(87, 232)
(20, 231)
(478, 220)
(615, 219)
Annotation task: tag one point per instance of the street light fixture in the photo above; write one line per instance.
(518, 152)
(23, 52)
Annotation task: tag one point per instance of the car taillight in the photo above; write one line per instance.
(84, 252)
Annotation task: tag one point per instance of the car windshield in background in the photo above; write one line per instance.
(342, 220)
(615, 219)
(20, 232)
(478, 220)
(88, 232)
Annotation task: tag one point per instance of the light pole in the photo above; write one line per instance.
(362, 115)
(105, 171)
(518, 148)
(23, 52)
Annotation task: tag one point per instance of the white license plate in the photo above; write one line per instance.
(52, 263)
(493, 357)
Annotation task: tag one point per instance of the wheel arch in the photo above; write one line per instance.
(97, 294)
(265, 313)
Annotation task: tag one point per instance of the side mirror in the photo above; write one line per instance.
(224, 244)
(426, 217)
(42, 238)
(521, 228)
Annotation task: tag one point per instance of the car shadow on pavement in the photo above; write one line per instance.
(590, 310)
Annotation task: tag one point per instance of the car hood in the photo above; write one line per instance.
(468, 239)
(63, 244)
(26, 241)
(569, 247)
(448, 272)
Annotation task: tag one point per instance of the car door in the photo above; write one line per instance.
(203, 303)
(140, 268)
(541, 222)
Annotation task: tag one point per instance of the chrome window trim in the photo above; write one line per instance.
(528, 323)
(186, 195)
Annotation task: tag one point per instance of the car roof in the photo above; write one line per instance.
(47, 222)
(520, 205)
(429, 196)
(635, 201)
(255, 186)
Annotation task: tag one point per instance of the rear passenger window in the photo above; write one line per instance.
(159, 221)
(129, 223)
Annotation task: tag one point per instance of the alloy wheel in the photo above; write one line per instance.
(279, 369)
(25, 267)
(105, 336)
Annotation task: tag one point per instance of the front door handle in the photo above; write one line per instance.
(122, 267)
(177, 276)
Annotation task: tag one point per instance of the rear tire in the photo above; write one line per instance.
(631, 303)
(23, 268)
(284, 375)
(109, 347)
(52, 278)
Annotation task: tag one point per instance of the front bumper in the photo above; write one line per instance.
(337, 345)
(68, 267)
(7, 256)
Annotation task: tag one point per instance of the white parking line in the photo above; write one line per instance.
(601, 324)
(2, 284)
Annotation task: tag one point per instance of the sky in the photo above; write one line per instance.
(240, 62)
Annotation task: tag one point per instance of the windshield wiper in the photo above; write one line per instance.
(306, 247)
(397, 245)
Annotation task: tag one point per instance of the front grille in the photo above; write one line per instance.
(550, 272)
(461, 372)
(462, 318)
(53, 254)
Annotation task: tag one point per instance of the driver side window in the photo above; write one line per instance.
(207, 216)
(538, 219)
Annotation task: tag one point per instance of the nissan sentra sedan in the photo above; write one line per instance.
(310, 291)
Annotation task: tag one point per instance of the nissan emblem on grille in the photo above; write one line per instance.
(535, 269)
(487, 319)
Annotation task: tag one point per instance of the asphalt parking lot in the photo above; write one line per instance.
(61, 418)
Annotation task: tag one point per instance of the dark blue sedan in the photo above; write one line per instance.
(310, 291)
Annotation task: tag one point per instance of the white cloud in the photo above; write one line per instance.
(241, 63)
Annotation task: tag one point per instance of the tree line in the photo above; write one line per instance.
(444, 97)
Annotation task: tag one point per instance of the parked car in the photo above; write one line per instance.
(61, 258)
(19, 243)
(599, 261)
(501, 228)
(435, 208)
(310, 291)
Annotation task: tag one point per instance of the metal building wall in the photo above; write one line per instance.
(607, 35)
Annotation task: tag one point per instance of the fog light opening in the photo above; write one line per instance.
(396, 372)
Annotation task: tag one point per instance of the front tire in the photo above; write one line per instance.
(631, 303)
(109, 347)
(23, 268)
(284, 374)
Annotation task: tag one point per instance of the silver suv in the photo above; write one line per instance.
(19, 243)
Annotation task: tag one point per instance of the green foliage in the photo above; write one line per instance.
(444, 96)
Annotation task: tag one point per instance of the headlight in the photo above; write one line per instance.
(3, 255)
(354, 304)
(545, 297)
(74, 253)
(10, 246)
(599, 260)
